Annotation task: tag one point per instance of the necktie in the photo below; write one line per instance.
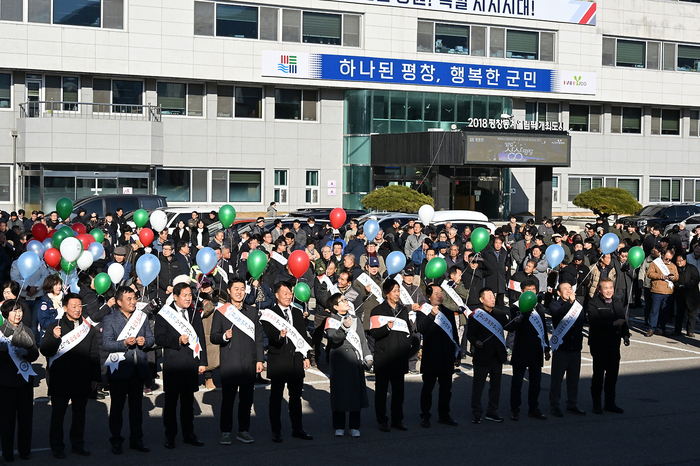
(286, 314)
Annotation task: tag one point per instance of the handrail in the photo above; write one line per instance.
(94, 110)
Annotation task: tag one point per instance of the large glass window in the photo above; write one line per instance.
(665, 121)
(584, 118)
(127, 96)
(181, 98)
(174, 184)
(630, 53)
(688, 58)
(451, 38)
(321, 28)
(626, 120)
(5, 90)
(77, 12)
(664, 190)
(522, 44)
(248, 102)
(236, 21)
(295, 104)
(245, 186)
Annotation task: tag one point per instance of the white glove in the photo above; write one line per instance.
(347, 322)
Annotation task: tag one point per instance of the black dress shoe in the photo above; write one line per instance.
(59, 455)
(140, 446)
(82, 451)
(277, 438)
(384, 427)
(597, 409)
(537, 415)
(613, 408)
(514, 414)
(193, 440)
(117, 449)
(556, 412)
(169, 443)
(25, 457)
(448, 421)
(8, 459)
(576, 411)
(399, 425)
(425, 422)
(302, 434)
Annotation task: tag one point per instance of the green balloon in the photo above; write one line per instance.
(58, 238)
(68, 267)
(436, 268)
(257, 261)
(302, 292)
(97, 234)
(64, 207)
(636, 256)
(1, 320)
(140, 218)
(102, 283)
(227, 214)
(480, 239)
(527, 302)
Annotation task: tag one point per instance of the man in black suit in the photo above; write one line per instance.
(497, 261)
(183, 256)
(240, 336)
(181, 365)
(70, 344)
(286, 365)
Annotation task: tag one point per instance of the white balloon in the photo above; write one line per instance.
(426, 214)
(71, 249)
(85, 260)
(116, 273)
(158, 220)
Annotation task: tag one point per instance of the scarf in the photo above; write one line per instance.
(56, 300)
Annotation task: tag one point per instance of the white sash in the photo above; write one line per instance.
(374, 288)
(443, 322)
(488, 321)
(327, 281)
(279, 258)
(350, 335)
(536, 322)
(183, 327)
(400, 325)
(452, 293)
(71, 340)
(664, 270)
(280, 323)
(237, 318)
(131, 329)
(23, 367)
(565, 325)
(406, 299)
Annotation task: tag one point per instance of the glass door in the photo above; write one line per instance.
(33, 98)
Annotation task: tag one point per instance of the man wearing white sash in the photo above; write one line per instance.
(70, 344)
(529, 346)
(287, 360)
(567, 342)
(179, 330)
(485, 333)
(440, 351)
(126, 334)
(416, 299)
(663, 273)
(17, 351)
(238, 332)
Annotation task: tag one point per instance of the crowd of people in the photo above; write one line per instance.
(229, 328)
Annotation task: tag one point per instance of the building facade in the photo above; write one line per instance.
(211, 102)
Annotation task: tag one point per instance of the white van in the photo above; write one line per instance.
(462, 218)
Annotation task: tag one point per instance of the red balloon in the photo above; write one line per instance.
(39, 232)
(298, 263)
(51, 233)
(86, 240)
(52, 257)
(146, 237)
(79, 228)
(338, 217)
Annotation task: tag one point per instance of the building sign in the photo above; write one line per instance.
(520, 125)
(561, 11)
(515, 150)
(423, 72)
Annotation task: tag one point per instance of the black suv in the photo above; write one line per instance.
(662, 214)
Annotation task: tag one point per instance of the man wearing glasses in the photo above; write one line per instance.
(169, 269)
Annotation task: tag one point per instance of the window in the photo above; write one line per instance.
(321, 28)
(181, 98)
(581, 184)
(351, 30)
(199, 185)
(630, 53)
(669, 56)
(11, 10)
(312, 187)
(425, 36)
(626, 120)
(204, 18)
(268, 23)
(584, 118)
(653, 55)
(90, 13)
(192, 185)
(224, 101)
(291, 26)
(174, 184)
(497, 41)
(61, 89)
(608, 51)
(688, 58)
(665, 121)
(245, 186)
(555, 189)
(541, 111)
(295, 104)
(39, 11)
(117, 96)
(451, 38)
(694, 122)
(248, 102)
(236, 21)
(219, 186)
(664, 190)
(281, 186)
(631, 185)
(578, 185)
(478, 38)
(77, 12)
(522, 44)
(5, 90)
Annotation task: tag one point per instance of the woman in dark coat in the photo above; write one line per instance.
(181, 233)
(348, 390)
(199, 237)
(11, 290)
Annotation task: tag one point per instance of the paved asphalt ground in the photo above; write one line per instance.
(658, 388)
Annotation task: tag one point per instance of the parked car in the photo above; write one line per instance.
(663, 214)
(110, 202)
(691, 223)
(459, 218)
(324, 213)
(175, 214)
(286, 223)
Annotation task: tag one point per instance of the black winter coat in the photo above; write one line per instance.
(527, 347)
(9, 376)
(169, 269)
(601, 316)
(493, 348)
(439, 351)
(499, 269)
(391, 347)
(573, 339)
(240, 354)
(284, 363)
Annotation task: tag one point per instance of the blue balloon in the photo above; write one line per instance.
(395, 262)
(48, 244)
(371, 229)
(36, 247)
(554, 255)
(96, 249)
(206, 260)
(28, 264)
(147, 268)
(609, 243)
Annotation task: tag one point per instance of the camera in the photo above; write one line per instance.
(153, 306)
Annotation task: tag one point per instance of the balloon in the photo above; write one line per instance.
(86, 240)
(96, 249)
(426, 214)
(71, 249)
(395, 262)
(635, 256)
(40, 232)
(68, 267)
(609, 243)
(146, 238)
(102, 283)
(158, 220)
(371, 229)
(436, 268)
(337, 217)
(79, 228)
(554, 255)
(58, 238)
(302, 292)
(147, 268)
(36, 247)
(48, 243)
(527, 302)
(28, 264)
(116, 272)
(85, 260)
(257, 261)
(207, 259)
(51, 233)
(298, 263)
(140, 218)
(97, 234)
(227, 214)
(52, 257)
(64, 207)
(480, 239)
